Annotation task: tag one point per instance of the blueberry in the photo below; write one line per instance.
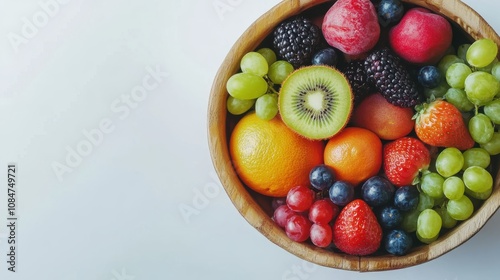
(389, 217)
(341, 193)
(377, 191)
(398, 242)
(429, 76)
(326, 56)
(390, 11)
(406, 198)
(321, 177)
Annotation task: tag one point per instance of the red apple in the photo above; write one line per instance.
(421, 37)
(351, 26)
(388, 121)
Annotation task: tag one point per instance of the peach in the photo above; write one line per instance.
(388, 121)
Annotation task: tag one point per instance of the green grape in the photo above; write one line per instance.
(456, 75)
(481, 129)
(453, 187)
(481, 52)
(449, 162)
(409, 223)
(254, 63)
(440, 201)
(279, 70)
(492, 110)
(488, 67)
(429, 224)
(462, 51)
(450, 50)
(448, 60)
(432, 185)
(476, 157)
(438, 91)
(268, 54)
(460, 209)
(448, 221)
(479, 195)
(424, 202)
(493, 146)
(266, 106)
(459, 99)
(481, 87)
(237, 106)
(426, 240)
(246, 86)
(495, 70)
(477, 179)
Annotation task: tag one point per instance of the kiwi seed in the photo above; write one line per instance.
(316, 101)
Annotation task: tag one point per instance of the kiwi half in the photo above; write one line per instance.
(316, 101)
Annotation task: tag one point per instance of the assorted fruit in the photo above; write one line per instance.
(372, 125)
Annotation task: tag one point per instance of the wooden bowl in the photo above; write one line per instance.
(256, 209)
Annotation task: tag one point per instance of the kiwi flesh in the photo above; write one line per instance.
(316, 101)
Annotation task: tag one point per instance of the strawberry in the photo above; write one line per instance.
(404, 158)
(356, 230)
(440, 124)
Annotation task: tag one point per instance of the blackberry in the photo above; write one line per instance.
(296, 39)
(392, 79)
(355, 73)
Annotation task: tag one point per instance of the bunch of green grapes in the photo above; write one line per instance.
(472, 84)
(448, 191)
(254, 86)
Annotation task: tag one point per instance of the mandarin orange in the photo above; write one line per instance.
(355, 154)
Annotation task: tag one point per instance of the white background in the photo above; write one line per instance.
(114, 212)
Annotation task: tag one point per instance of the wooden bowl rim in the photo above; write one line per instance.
(456, 11)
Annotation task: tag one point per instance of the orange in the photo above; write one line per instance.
(355, 154)
(270, 158)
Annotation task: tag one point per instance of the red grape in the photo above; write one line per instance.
(323, 211)
(300, 198)
(321, 235)
(277, 202)
(297, 228)
(282, 214)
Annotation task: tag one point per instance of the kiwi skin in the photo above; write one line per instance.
(325, 80)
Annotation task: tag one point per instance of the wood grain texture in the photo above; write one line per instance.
(256, 211)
